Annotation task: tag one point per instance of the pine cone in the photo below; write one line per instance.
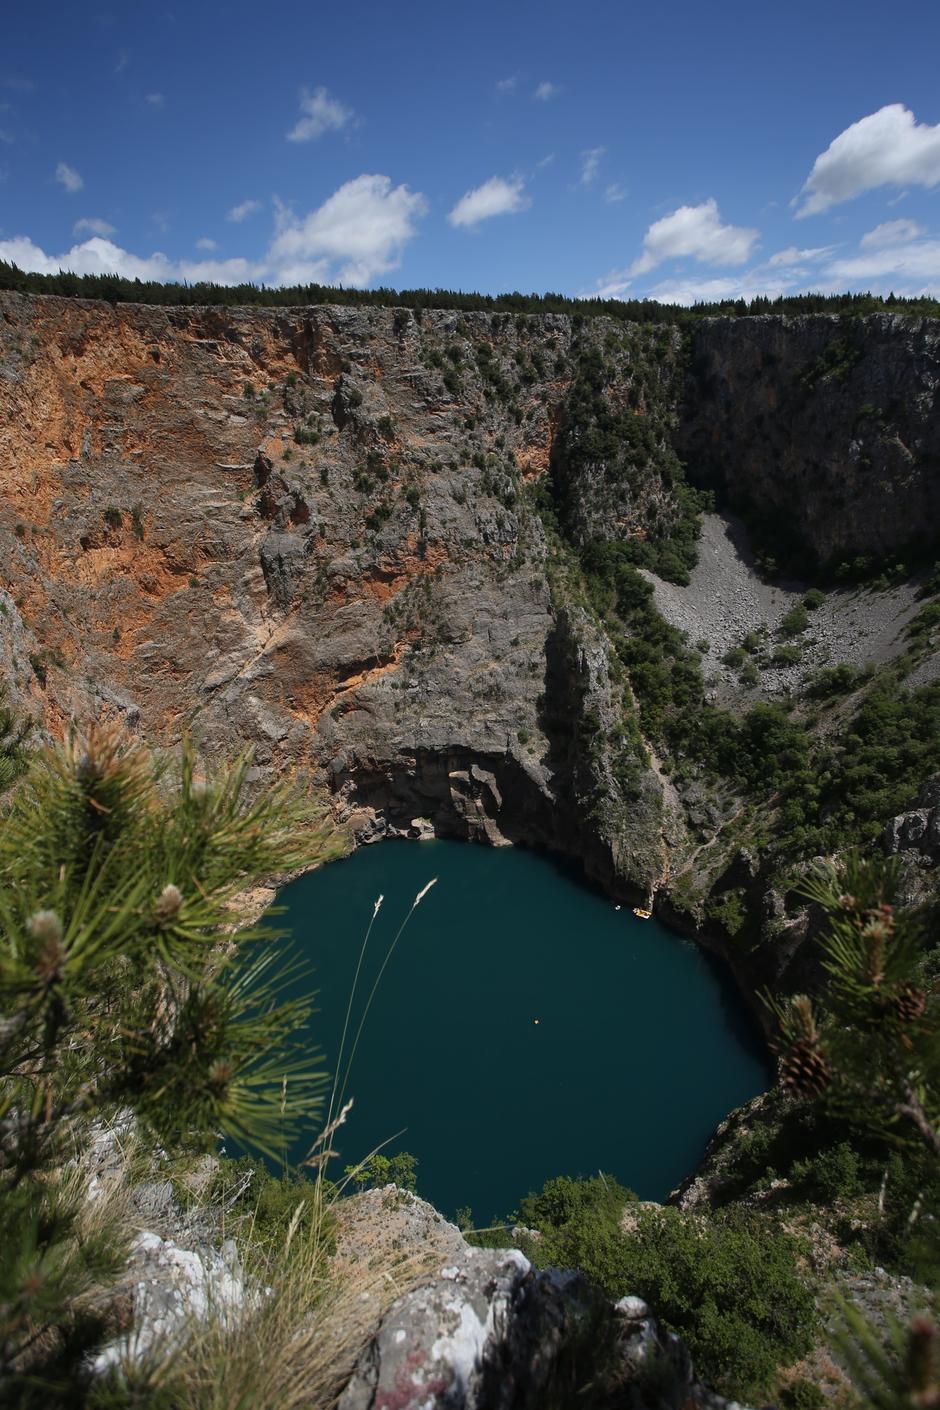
(804, 1071)
(910, 1002)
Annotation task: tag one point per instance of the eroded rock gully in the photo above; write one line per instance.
(310, 530)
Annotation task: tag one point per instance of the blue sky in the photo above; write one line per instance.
(673, 150)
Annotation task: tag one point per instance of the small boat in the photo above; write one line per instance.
(642, 912)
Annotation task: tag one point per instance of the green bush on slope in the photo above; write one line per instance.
(729, 1285)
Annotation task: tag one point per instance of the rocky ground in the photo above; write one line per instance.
(727, 598)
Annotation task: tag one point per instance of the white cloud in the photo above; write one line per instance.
(204, 243)
(886, 148)
(99, 256)
(912, 268)
(243, 211)
(357, 234)
(506, 85)
(751, 285)
(891, 232)
(68, 177)
(794, 255)
(546, 91)
(320, 113)
(590, 164)
(615, 192)
(156, 100)
(494, 197)
(614, 285)
(91, 225)
(363, 228)
(122, 62)
(695, 232)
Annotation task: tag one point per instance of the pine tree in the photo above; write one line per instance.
(132, 979)
(869, 1046)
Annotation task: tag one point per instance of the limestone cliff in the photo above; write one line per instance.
(314, 531)
(824, 431)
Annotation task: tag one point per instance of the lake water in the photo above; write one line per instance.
(523, 1028)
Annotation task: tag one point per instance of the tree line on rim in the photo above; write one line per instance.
(112, 288)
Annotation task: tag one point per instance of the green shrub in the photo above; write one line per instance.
(834, 680)
(813, 599)
(830, 1175)
(730, 1287)
(802, 1395)
(795, 621)
(734, 657)
(112, 517)
(379, 1170)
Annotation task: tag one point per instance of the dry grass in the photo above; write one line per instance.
(295, 1341)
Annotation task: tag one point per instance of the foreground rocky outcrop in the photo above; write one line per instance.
(492, 1333)
(475, 1329)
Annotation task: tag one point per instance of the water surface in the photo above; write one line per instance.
(640, 1045)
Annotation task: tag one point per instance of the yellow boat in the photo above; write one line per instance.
(643, 914)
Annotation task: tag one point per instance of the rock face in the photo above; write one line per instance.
(308, 532)
(489, 1332)
(312, 531)
(918, 829)
(823, 429)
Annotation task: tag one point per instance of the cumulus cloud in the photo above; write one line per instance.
(891, 232)
(91, 225)
(358, 233)
(546, 91)
(204, 243)
(241, 212)
(590, 164)
(495, 197)
(100, 256)
(614, 192)
(319, 113)
(68, 178)
(506, 85)
(695, 232)
(886, 148)
(901, 261)
(156, 100)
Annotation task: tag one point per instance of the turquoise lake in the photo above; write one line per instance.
(640, 1048)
